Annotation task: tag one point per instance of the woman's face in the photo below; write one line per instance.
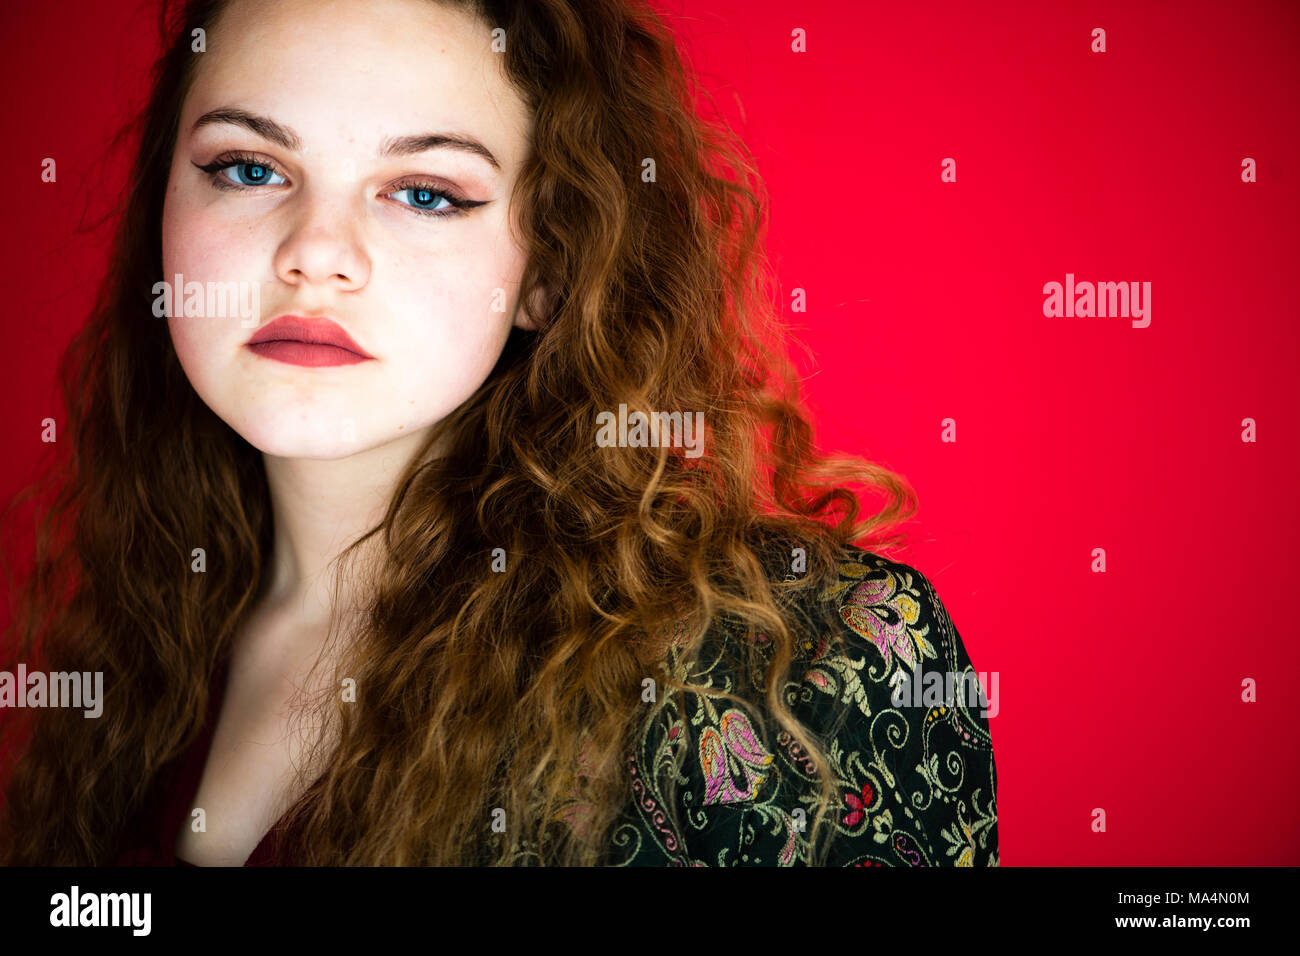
(327, 196)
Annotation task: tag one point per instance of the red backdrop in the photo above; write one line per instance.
(1120, 690)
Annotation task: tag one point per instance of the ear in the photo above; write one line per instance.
(533, 314)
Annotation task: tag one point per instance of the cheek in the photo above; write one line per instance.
(202, 249)
(198, 344)
(203, 242)
(207, 248)
(451, 341)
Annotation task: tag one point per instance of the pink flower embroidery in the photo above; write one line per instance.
(735, 741)
(858, 805)
(875, 611)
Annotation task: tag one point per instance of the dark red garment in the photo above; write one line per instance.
(156, 846)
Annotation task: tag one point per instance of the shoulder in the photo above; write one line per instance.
(904, 713)
(914, 774)
(890, 608)
(873, 607)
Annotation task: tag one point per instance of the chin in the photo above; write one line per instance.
(304, 437)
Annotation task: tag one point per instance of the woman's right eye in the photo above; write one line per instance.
(241, 172)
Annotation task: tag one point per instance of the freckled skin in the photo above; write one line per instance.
(414, 291)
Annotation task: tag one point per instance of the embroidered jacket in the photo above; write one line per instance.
(913, 766)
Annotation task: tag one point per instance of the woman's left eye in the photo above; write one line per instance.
(424, 199)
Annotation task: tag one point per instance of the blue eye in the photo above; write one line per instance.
(253, 174)
(248, 170)
(425, 198)
(422, 198)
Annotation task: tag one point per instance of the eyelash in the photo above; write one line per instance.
(459, 204)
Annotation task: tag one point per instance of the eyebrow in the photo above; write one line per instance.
(283, 136)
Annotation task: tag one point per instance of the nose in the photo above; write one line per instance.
(324, 249)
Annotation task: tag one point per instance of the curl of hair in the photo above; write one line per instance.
(478, 690)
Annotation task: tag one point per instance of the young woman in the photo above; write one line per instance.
(479, 520)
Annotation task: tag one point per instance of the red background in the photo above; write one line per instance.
(1119, 690)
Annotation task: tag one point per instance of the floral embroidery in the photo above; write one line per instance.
(858, 805)
(737, 740)
(887, 613)
(918, 783)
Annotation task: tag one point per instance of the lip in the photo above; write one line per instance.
(300, 340)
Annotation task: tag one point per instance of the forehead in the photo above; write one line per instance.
(350, 73)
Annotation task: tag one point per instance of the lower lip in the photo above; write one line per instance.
(304, 353)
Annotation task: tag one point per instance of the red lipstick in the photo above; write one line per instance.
(313, 342)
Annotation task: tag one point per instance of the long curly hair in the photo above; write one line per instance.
(479, 688)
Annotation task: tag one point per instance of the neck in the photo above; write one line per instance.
(319, 508)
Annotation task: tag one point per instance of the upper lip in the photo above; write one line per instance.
(313, 331)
